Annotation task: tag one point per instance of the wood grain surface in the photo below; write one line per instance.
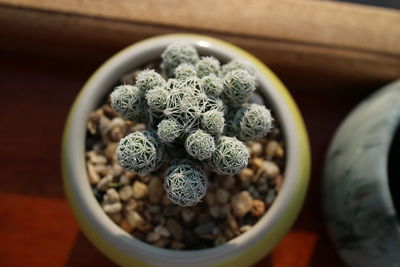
(335, 41)
(36, 224)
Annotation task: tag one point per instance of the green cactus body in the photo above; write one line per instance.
(128, 101)
(186, 114)
(200, 145)
(207, 66)
(149, 79)
(176, 54)
(140, 152)
(213, 122)
(230, 156)
(251, 122)
(185, 183)
(237, 64)
(238, 87)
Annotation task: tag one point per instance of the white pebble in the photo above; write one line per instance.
(126, 192)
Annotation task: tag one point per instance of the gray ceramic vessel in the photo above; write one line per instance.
(358, 205)
(128, 251)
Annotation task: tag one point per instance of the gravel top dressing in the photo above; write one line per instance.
(140, 206)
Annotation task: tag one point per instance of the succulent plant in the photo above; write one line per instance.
(251, 122)
(185, 71)
(207, 66)
(239, 85)
(230, 156)
(176, 54)
(149, 79)
(187, 110)
(140, 152)
(200, 145)
(185, 183)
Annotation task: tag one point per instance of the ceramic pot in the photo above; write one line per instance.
(125, 250)
(358, 204)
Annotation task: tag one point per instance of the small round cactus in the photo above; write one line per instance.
(212, 85)
(168, 130)
(157, 98)
(200, 145)
(176, 54)
(237, 64)
(230, 156)
(185, 183)
(185, 71)
(140, 152)
(251, 122)
(149, 79)
(213, 122)
(207, 66)
(239, 85)
(127, 100)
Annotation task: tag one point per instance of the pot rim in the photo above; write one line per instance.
(119, 245)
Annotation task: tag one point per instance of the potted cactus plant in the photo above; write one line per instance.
(190, 122)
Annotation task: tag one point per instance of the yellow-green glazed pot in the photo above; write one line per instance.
(125, 250)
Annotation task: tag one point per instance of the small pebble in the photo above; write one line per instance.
(256, 163)
(270, 197)
(112, 207)
(205, 228)
(241, 203)
(104, 183)
(246, 176)
(109, 152)
(175, 229)
(116, 217)
(94, 178)
(225, 210)
(125, 225)
(220, 240)
(111, 196)
(258, 208)
(172, 210)
(126, 192)
(245, 228)
(177, 245)
(188, 215)
(123, 179)
(222, 196)
(154, 209)
(233, 224)
(274, 149)
(162, 243)
(210, 198)
(153, 237)
(98, 159)
(162, 231)
(228, 182)
(104, 126)
(262, 185)
(138, 127)
(133, 205)
(165, 200)
(256, 149)
(135, 220)
(155, 190)
(140, 190)
(214, 211)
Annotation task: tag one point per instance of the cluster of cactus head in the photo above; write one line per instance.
(186, 108)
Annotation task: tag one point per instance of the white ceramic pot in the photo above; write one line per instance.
(125, 250)
(357, 201)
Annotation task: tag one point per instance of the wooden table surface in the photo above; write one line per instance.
(37, 227)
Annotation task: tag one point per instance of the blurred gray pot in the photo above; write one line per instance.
(359, 209)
